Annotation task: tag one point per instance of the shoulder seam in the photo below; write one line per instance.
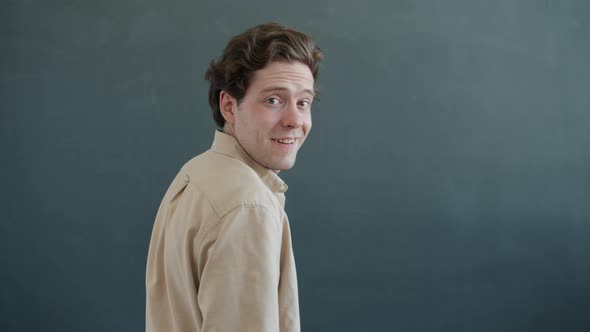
(194, 185)
(207, 230)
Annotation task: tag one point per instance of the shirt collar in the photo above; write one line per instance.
(229, 146)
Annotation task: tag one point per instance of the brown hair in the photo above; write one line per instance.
(252, 51)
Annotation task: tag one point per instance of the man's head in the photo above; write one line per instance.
(262, 89)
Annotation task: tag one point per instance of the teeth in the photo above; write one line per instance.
(286, 141)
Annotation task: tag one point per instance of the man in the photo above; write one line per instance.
(220, 256)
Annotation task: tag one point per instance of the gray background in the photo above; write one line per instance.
(445, 185)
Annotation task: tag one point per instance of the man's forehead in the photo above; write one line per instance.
(291, 76)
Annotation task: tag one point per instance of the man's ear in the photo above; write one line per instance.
(228, 106)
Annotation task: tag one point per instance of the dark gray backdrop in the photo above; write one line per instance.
(445, 185)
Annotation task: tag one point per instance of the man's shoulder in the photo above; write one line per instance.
(227, 182)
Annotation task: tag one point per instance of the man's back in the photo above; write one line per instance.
(220, 256)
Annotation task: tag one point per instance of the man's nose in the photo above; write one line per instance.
(292, 116)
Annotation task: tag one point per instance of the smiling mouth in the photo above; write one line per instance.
(285, 140)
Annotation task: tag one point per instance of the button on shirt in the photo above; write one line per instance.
(220, 256)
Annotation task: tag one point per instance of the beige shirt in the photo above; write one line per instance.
(220, 256)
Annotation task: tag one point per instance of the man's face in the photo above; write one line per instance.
(274, 117)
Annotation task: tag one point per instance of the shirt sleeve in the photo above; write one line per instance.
(238, 289)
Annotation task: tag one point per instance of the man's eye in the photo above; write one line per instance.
(272, 101)
(304, 103)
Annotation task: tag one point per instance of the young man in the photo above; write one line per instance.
(220, 256)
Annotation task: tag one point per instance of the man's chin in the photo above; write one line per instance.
(283, 165)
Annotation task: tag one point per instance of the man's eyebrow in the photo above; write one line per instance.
(280, 88)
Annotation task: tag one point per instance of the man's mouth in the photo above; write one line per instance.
(284, 140)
